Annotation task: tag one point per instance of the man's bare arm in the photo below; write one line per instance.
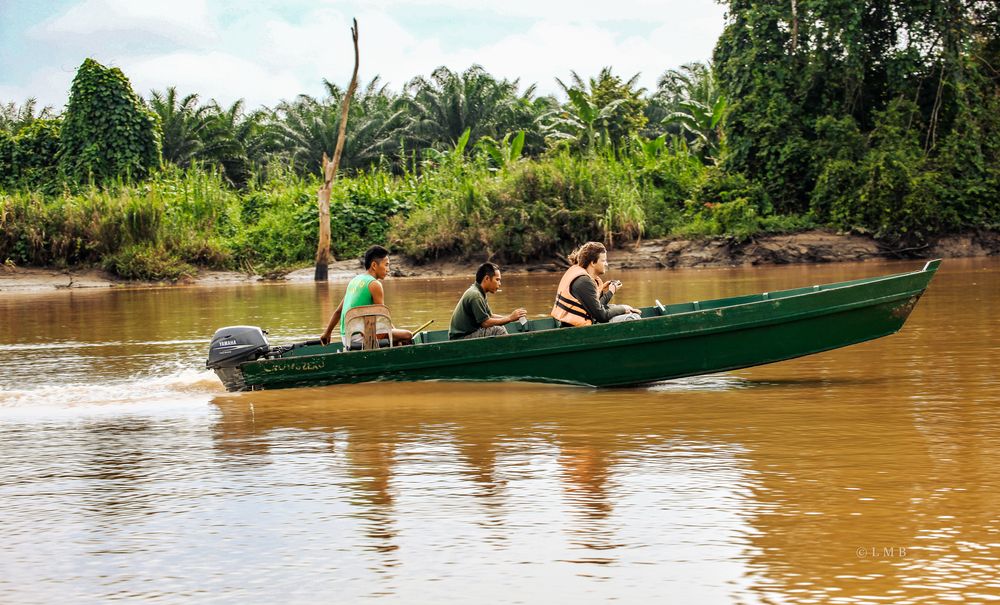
(334, 319)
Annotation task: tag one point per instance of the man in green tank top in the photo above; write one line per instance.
(366, 289)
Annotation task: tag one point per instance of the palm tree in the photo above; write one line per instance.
(182, 123)
(237, 143)
(440, 109)
(375, 123)
(307, 128)
(13, 118)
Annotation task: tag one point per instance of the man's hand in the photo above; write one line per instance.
(612, 286)
(325, 338)
(634, 310)
(516, 314)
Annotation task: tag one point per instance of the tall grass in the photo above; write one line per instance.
(452, 205)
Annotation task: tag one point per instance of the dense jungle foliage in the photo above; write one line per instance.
(880, 117)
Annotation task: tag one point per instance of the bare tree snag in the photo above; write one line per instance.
(323, 256)
(795, 26)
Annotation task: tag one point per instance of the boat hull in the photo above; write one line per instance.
(673, 342)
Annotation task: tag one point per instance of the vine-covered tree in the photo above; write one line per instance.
(107, 131)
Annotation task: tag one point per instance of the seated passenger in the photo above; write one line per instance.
(472, 317)
(583, 297)
(366, 289)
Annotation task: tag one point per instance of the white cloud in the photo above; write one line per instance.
(570, 11)
(217, 75)
(183, 21)
(47, 86)
(255, 53)
(547, 50)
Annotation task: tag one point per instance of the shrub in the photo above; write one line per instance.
(8, 175)
(146, 262)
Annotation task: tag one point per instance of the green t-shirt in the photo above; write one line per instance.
(358, 295)
(470, 313)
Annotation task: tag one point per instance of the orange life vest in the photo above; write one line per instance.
(567, 308)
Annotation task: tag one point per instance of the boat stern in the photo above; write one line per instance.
(231, 347)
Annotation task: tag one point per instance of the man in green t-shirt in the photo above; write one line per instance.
(366, 289)
(472, 317)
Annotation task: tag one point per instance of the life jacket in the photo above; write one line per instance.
(567, 308)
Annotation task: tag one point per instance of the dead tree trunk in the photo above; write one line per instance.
(323, 256)
(795, 26)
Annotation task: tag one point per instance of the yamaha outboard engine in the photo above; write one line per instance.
(232, 346)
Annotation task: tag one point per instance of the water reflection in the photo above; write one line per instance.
(562, 476)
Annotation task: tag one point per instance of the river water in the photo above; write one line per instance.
(870, 474)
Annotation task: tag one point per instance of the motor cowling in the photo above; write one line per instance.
(236, 344)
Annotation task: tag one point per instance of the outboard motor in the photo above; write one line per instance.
(232, 346)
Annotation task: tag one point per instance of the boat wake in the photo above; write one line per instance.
(712, 382)
(71, 345)
(167, 384)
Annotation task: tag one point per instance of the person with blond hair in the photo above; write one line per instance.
(583, 297)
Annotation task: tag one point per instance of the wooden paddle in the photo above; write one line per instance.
(425, 324)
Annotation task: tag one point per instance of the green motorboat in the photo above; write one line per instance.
(672, 341)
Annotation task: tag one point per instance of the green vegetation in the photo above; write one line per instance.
(107, 131)
(880, 117)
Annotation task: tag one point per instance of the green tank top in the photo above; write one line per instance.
(358, 295)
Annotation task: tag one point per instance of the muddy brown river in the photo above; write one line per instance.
(870, 474)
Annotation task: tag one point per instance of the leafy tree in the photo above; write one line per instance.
(629, 116)
(802, 75)
(107, 131)
(8, 174)
(36, 148)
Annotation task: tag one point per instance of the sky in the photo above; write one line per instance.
(266, 51)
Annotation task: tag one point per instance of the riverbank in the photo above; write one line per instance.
(816, 246)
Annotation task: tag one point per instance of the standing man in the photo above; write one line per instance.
(472, 317)
(582, 298)
(366, 289)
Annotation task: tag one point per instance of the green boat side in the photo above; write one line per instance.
(673, 341)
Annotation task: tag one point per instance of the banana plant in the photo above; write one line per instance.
(454, 155)
(703, 123)
(504, 152)
(650, 149)
(577, 121)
